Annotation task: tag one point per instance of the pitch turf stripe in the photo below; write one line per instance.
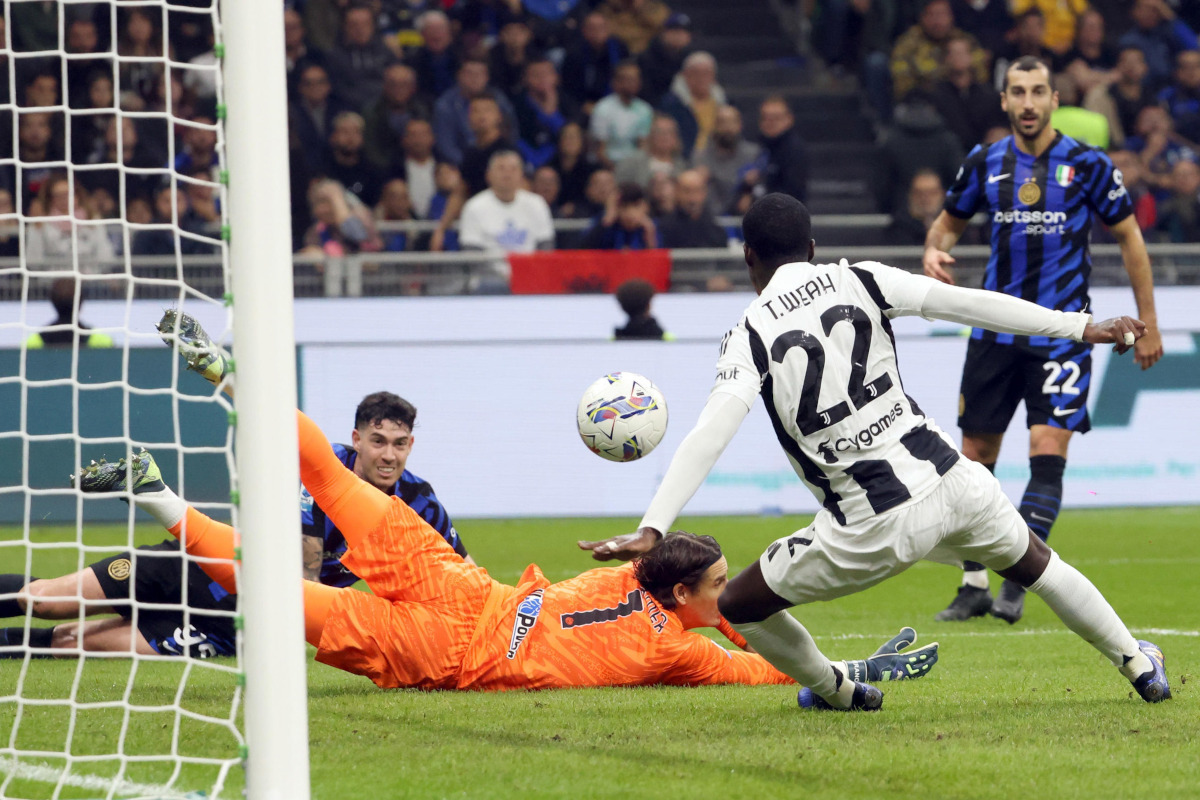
(44, 773)
(1029, 632)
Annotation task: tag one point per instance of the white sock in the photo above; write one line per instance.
(783, 641)
(975, 577)
(1084, 610)
(164, 505)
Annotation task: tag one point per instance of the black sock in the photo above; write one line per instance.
(1043, 496)
(15, 638)
(11, 584)
(975, 566)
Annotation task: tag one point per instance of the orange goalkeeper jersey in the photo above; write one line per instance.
(598, 629)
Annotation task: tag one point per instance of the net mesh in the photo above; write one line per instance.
(112, 198)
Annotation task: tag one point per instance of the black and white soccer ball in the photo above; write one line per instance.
(622, 416)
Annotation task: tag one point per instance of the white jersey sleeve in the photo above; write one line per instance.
(737, 374)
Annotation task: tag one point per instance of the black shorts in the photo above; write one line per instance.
(158, 577)
(1053, 381)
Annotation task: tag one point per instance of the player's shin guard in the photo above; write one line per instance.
(13, 583)
(783, 641)
(1084, 610)
(14, 640)
(1043, 495)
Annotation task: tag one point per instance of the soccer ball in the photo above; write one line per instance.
(622, 416)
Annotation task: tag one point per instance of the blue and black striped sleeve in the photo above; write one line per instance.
(432, 511)
(966, 194)
(1105, 188)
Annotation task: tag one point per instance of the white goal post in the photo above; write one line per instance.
(266, 439)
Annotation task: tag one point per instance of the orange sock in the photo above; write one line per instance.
(318, 604)
(208, 538)
(355, 506)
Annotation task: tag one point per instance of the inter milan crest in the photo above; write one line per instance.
(1029, 193)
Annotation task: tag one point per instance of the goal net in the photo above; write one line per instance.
(114, 206)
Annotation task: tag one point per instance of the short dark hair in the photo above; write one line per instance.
(630, 193)
(380, 406)
(1026, 64)
(680, 557)
(778, 228)
(634, 296)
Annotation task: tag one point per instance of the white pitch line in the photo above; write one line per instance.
(1018, 632)
(44, 773)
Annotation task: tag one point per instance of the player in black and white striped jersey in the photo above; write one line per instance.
(817, 345)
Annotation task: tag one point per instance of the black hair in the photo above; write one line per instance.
(62, 296)
(634, 297)
(1027, 64)
(630, 193)
(680, 557)
(778, 228)
(380, 406)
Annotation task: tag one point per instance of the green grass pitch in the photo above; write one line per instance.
(1028, 710)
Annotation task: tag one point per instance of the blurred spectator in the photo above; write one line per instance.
(417, 166)
(480, 22)
(296, 50)
(202, 197)
(1181, 212)
(918, 139)
(542, 111)
(1182, 97)
(436, 61)
(989, 21)
(634, 297)
(174, 214)
(451, 123)
(909, 224)
(726, 159)
(10, 228)
(782, 166)
(1026, 41)
(968, 107)
(395, 206)
(600, 194)
(35, 26)
(140, 38)
(87, 130)
(621, 121)
(66, 329)
(1145, 206)
(574, 167)
(200, 75)
(626, 224)
(356, 64)
(883, 22)
(199, 151)
(692, 224)
(322, 20)
(918, 55)
(388, 117)
(36, 145)
(660, 153)
(1159, 147)
(1060, 17)
(547, 185)
(84, 38)
(399, 20)
(589, 64)
(63, 243)
(1123, 100)
(341, 223)
(694, 99)
(635, 22)
(313, 113)
(449, 184)
(663, 58)
(511, 56)
(1160, 35)
(504, 218)
(348, 163)
(1091, 62)
(123, 145)
(40, 90)
(661, 194)
(485, 121)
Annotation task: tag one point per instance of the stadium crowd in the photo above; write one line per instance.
(489, 118)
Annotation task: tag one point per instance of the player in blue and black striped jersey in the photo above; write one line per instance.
(1040, 190)
(380, 446)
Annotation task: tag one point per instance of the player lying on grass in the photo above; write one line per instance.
(437, 622)
(157, 575)
(817, 345)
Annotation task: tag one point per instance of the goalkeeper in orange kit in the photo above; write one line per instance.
(437, 622)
